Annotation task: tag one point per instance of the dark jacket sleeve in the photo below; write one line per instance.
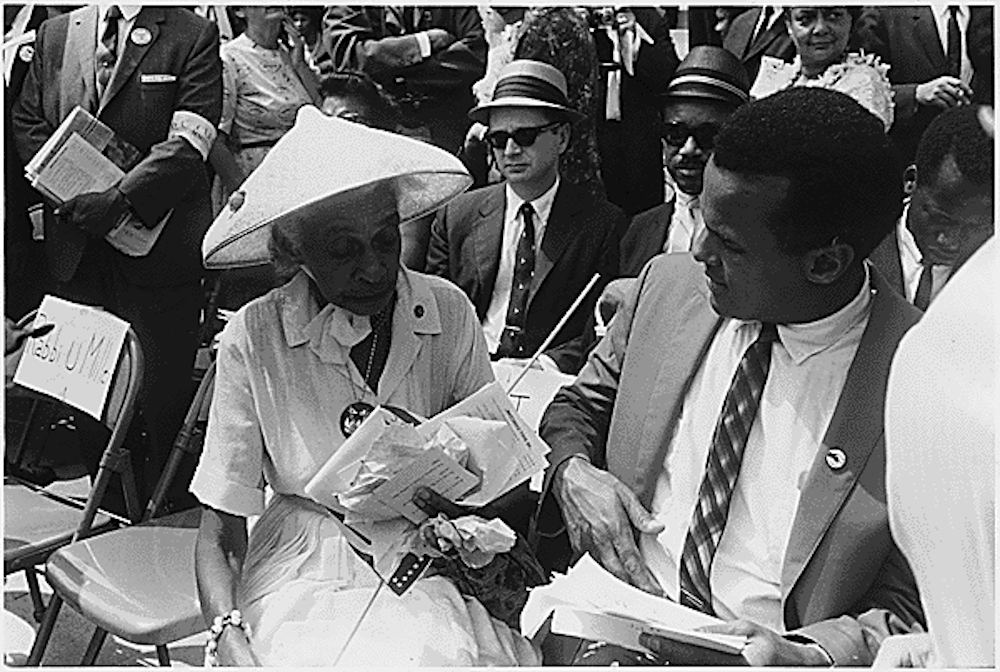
(438, 261)
(31, 129)
(166, 175)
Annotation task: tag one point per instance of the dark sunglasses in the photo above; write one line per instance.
(676, 134)
(523, 137)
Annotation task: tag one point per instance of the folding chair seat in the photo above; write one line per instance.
(36, 521)
(138, 583)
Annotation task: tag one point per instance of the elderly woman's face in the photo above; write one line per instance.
(820, 34)
(352, 247)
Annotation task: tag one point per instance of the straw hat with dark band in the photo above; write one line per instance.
(525, 83)
(318, 161)
(712, 73)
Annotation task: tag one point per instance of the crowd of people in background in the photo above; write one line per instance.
(763, 425)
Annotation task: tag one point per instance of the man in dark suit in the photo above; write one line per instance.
(522, 250)
(757, 33)
(637, 60)
(153, 75)
(428, 58)
(723, 445)
(930, 71)
(950, 213)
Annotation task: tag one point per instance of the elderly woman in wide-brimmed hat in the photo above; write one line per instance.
(298, 369)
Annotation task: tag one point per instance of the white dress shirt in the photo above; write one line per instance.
(807, 373)
(941, 15)
(513, 225)
(686, 223)
(940, 432)
(909, 258)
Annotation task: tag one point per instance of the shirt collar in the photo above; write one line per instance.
(129, 12)
(416, 307)
(688, 201)
(907, 243)
(806, 339)
(542, 204)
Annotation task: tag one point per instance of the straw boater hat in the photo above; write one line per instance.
(318, 160)
(710, 72)
(525, 83)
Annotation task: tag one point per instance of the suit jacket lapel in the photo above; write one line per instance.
(856, 428)
(487, 233)
(687, 342)
(132, 53)
(768, 36)
(926, 31)
(558, 233)
(78, 84)
(886, 259)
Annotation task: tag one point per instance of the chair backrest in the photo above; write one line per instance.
(117, 417)
(190, 440)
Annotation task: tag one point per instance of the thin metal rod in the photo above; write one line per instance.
(357, 625)
(552, 334)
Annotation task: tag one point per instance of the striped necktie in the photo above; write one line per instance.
(722, 468)
(107, 50)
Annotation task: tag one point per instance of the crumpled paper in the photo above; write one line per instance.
(476, 540)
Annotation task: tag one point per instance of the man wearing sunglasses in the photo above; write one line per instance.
(950, 213)
(522, 250)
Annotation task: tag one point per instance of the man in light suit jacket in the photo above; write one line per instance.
(914, 41)
(722, 446)
(750, 39)
(950, 213)
(153, 75)
(480, 241)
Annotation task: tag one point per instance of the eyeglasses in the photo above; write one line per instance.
(523, 137)
(676, 134)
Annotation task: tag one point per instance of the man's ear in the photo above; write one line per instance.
(565, 135)
(825, 265)
(910, 179)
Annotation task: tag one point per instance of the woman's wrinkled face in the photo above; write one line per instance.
(820, 34)
(351, 248)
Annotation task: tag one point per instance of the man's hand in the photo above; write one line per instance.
(95, 213)
(944, 92)
(440, 39)
(601, 517)
(296, 43)
(613, 297)
(765, 647)
(910, 650)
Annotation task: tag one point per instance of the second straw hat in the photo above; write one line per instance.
(318, 160)
(526, 83)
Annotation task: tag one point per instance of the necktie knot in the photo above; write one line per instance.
(114, 13)
(768, 333)
(527, 210)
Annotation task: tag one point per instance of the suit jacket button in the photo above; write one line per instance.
(836, 459)
(418, 311)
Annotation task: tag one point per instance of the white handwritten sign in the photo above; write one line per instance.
(75, 362)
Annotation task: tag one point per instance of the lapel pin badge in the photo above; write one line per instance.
(418, 311)
(142, 36)
(836, 459)
(26, 53)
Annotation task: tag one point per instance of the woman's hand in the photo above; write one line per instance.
(234, 650)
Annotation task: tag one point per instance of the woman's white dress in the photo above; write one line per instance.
(284, 377)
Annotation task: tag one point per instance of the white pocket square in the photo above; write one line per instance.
(157, 79)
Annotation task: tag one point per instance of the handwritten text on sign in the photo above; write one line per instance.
(76, 361)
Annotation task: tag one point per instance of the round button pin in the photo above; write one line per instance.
(142, 36)
(836, 459)
(26, 53)
(418, 311)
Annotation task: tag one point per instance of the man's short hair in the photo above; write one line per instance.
(957, 133)
(844, 179)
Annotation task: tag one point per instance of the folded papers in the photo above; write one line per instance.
(591, 603)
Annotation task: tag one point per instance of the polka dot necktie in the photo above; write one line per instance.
(512, 337)
(722, 468)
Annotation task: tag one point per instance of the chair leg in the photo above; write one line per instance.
(44, 631)
(36, 594)
(163, 655)
(94, 648)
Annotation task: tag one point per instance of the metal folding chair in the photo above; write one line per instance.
(137, 583)
(38, 522)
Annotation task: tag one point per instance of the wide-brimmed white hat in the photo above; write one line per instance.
(527, 83)
(322, 158)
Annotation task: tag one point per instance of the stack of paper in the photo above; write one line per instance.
(591, 603)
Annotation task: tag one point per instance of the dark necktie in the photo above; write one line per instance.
(762, 28)
(512, 337)
(922, 297)
(721, 471)
(107, 50)
(954, 43)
